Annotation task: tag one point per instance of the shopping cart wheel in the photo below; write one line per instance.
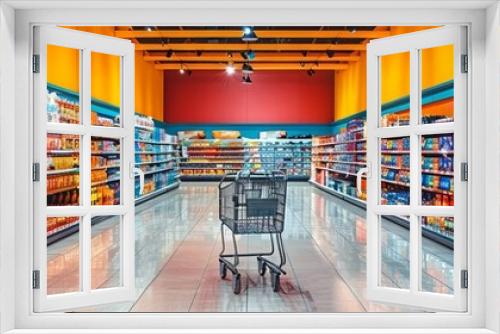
(262, 267)
(222, 270)
(275, 281)
(237, 284)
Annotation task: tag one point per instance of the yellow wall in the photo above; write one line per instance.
(62, 71)
(350, 84)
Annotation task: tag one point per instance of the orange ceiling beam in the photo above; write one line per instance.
(214, 33)
(256, 66)
(276, 57)
(249, 46)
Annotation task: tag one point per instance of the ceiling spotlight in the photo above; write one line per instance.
(246, 80)
(230, 69)
(244, 55)
(169, 53)
(247, 68)
(250, 55)
(149, 28)
(311, 72)
(182, 70)
(353, 30)
(330, 53)
(249, 35)
(230, 55)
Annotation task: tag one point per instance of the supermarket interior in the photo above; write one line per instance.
(217, 101)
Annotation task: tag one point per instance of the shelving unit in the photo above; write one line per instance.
(210, 159)
(331, 173)
(157, 155)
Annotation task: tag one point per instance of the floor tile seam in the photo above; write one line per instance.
(165, 264)
(203, 274)
(335, 269)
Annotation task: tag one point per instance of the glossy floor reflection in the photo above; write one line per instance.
(178, 242)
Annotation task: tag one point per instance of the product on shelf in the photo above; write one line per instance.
(219, 157)
(60, 110)
(57, 224)
(337, 158)
(156, 154)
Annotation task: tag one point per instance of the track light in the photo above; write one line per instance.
(246, 80)
(330, 53)
(230, 55)
(169, 53)
(249, 35)
(353, 30)
(230, 69)
(244, 55)
(311, 72)
(247, 68)
(250, 55)
(149, 28)
(182, 70)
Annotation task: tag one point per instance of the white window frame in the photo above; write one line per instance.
(259, 13)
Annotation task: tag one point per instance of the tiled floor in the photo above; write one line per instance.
(178, 242)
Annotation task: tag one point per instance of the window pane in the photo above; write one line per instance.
(63, 85)
(105, 89)
(105, 175)
(395, 171)
(395, 89)
(106, 248)
(437, 84)
(437, 170)
(63, 173)
(63, 255)
(395, 253)
(437, 259)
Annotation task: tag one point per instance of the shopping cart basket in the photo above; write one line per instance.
(253, 203)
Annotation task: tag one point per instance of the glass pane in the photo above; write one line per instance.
(395, 171)
(395, 252)
(105, 89)
(437, 84)
(437, 170)
(63, 173)
(63, 255)
(105, 175)
(63, 84)
(395, 89)
(105, 252)
(437, 259)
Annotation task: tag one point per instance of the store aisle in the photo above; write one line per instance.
(178, 243)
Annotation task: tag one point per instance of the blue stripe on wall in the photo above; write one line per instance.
(253, 130)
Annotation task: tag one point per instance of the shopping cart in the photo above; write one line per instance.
(253, 203)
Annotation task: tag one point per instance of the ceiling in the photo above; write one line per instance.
(276, 47)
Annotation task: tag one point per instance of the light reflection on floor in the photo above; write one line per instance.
(177, 244)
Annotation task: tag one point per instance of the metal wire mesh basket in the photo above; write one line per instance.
(253, 203)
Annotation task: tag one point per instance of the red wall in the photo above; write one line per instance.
(213, 97)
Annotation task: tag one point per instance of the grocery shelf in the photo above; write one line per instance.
(159, 170)
(105, 152)
(62, 171)
(62, 152)
(395, 167)
(337, 171)
(439, 152)
(155, 162)
(342, 162)
(153, 152)
(426, 232)
(395, 152)
(154, 142)
(340, 143)
(157, 192)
